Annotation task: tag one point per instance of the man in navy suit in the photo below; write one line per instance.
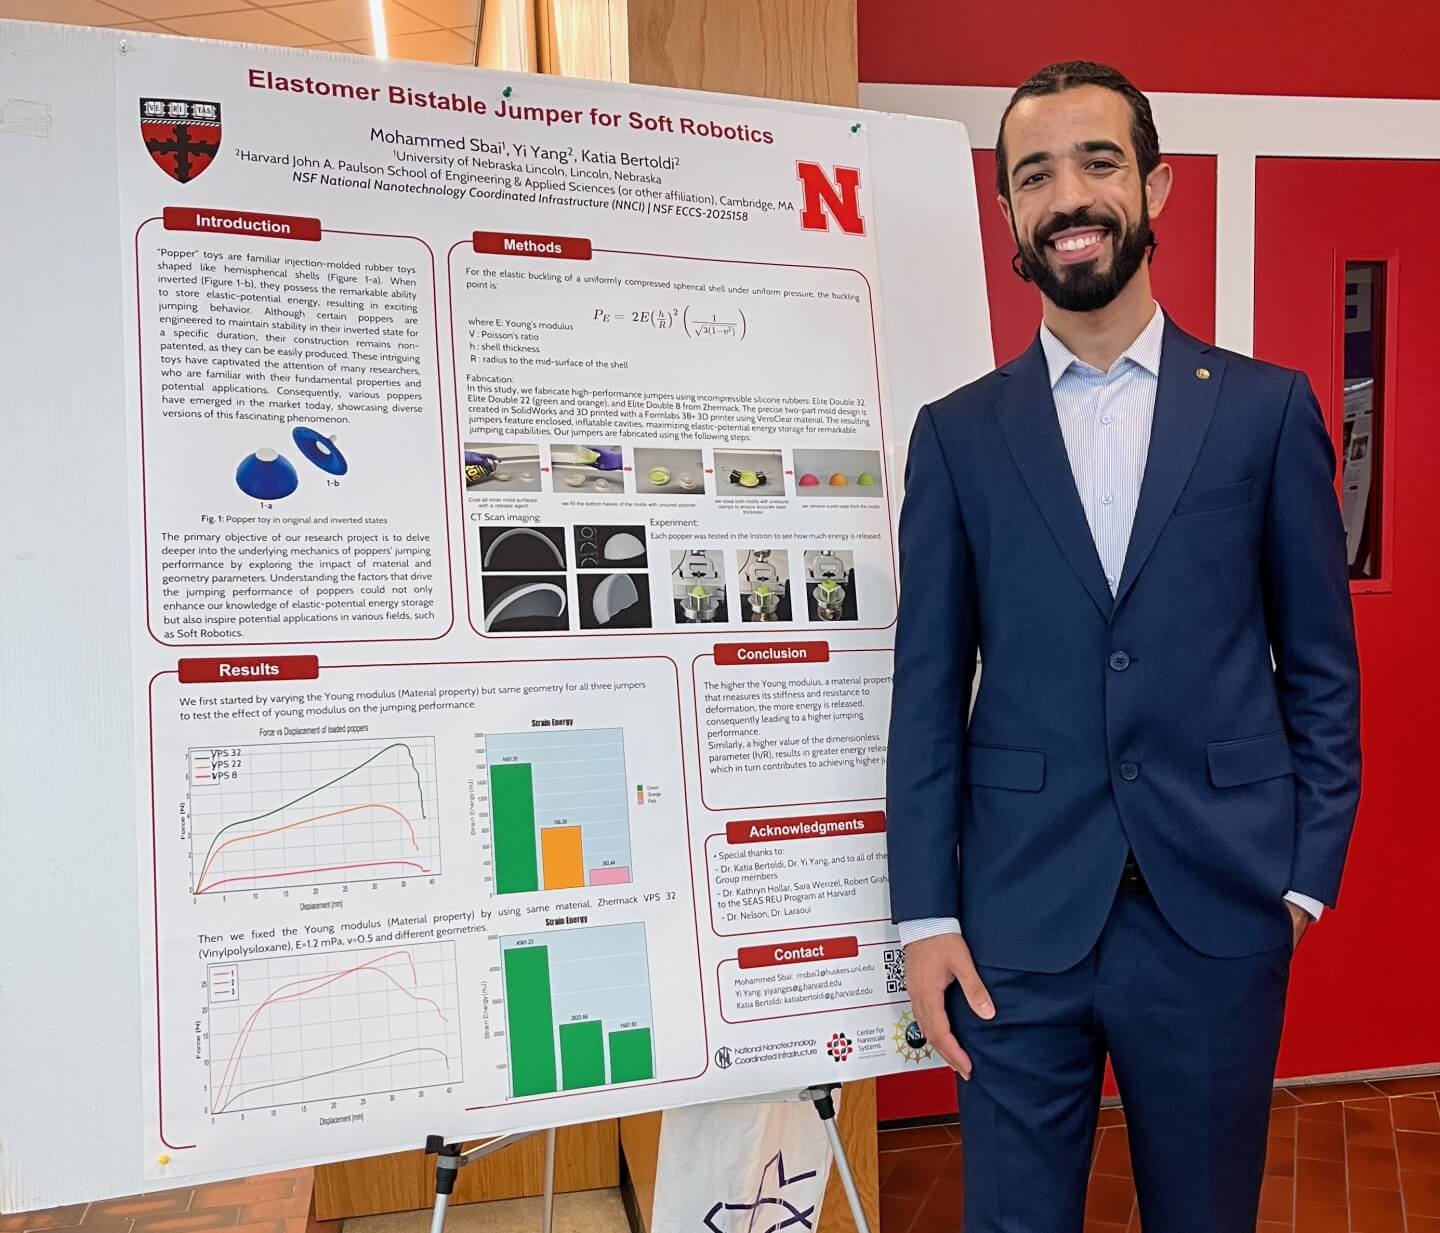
(1117, 850)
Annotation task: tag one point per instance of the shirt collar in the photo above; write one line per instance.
(1144, 351)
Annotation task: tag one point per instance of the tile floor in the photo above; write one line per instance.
(1343, 1158)
(280, 1203)
(274, 1203)
(583, 1211)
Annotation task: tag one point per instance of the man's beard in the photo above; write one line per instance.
(1084, 288)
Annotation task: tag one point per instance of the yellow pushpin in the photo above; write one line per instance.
(163, 1158)
(1203, 373)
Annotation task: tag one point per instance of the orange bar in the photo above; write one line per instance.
(562, 856)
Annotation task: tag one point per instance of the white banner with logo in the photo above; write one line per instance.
(741, 1168)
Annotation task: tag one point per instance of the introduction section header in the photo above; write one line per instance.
(242, 222)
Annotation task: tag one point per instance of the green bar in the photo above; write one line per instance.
(512, 819)
(630, 1056)
(582, 1054)
(530, 1020)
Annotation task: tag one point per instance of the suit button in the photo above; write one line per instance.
(1129, 771)
(1119, 661)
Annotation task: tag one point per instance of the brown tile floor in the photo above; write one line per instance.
(1344, 1158)
(273, 1203)
(280, 1203)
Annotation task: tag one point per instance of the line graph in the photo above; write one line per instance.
(293, 1029)
(311, 813)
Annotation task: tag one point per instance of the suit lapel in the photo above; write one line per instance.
(1025, 408)
(1184, 407)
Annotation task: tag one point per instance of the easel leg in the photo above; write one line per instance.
(450, 1159)
(448, 1162)
(437, 1218)
(549, 1218)
(824, 1101)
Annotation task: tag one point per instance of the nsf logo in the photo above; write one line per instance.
(910, 1042)
(723, 1059)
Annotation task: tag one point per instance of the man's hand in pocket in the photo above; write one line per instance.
(931, 964)
(1300, 920)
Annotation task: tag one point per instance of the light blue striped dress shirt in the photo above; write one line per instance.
(1105, 418)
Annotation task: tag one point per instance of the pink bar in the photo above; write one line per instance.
(616, 876)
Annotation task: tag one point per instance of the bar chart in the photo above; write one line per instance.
(559, 809)
(577, 1009)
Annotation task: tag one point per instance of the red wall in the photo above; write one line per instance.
(1284, 47)
(1331, 47)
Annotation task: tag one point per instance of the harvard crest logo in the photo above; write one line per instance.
(182, 135)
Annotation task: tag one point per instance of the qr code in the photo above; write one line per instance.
(895, 970)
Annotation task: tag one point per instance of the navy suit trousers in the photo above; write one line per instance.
(1193, 1040)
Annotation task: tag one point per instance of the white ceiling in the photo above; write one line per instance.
(437, 30)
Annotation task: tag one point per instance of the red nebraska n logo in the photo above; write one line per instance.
(825, 199)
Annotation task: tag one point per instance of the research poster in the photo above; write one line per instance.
(513, 481)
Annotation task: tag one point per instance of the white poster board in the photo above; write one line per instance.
(449, 588)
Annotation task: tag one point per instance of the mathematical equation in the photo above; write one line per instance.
(655, 318)
(696, 323)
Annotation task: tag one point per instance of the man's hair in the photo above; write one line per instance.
(1069, 75)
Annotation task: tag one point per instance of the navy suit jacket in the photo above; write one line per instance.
(1155, 720)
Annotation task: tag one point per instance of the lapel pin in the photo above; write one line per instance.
(1203, 373)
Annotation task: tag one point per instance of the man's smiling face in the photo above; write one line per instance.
(1078, 206)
